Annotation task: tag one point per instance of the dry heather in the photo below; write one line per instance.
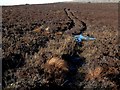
(40, 53)
(63, 45)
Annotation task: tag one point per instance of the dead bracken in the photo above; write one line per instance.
(56, 68)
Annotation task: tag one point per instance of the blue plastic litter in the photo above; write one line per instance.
(80, 38)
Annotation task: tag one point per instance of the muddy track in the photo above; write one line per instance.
(78, 26)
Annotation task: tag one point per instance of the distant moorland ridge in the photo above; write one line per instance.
(96, 0)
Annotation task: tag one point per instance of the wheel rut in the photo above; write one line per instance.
(78, 26)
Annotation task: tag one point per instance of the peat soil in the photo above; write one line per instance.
(33, 34)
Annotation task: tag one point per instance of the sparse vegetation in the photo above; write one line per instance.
(39, 51)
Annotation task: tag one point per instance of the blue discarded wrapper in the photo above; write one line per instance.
(80, 38)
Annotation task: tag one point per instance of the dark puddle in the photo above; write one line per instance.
(74, 62)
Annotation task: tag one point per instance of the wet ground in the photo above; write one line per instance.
(33, 34)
